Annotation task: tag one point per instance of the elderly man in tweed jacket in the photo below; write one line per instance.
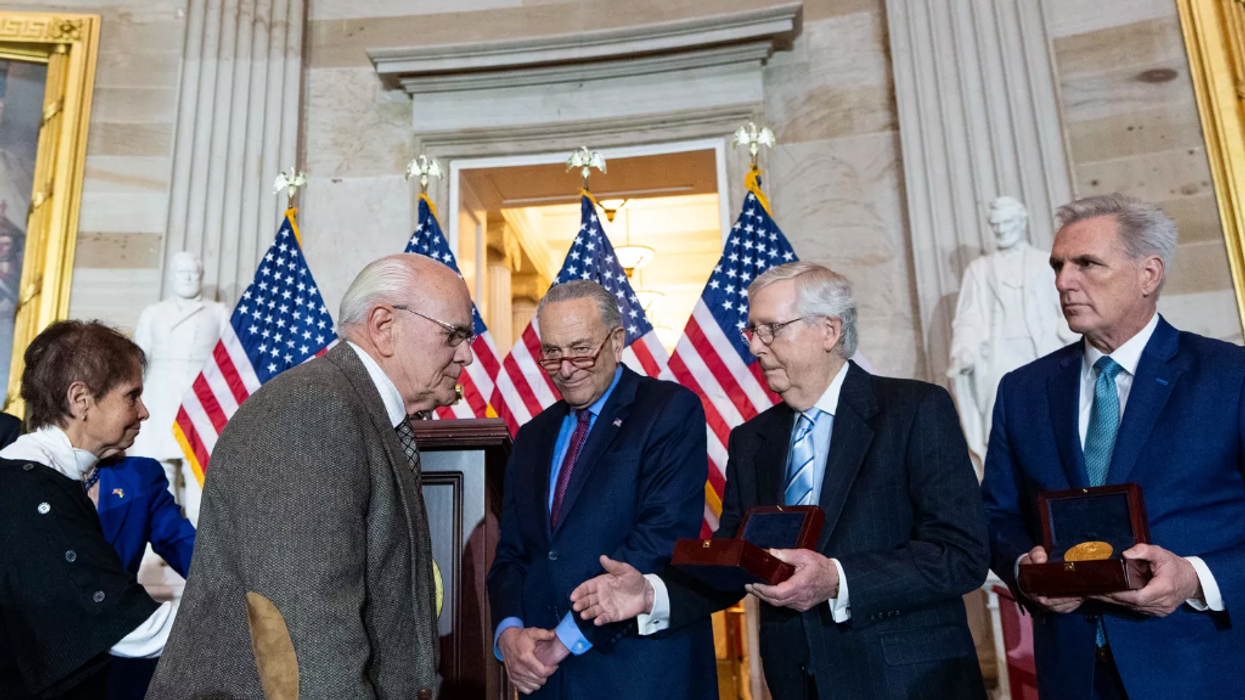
(313, 570)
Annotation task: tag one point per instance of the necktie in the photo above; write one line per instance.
(1104, 423)
(583, 420)
(799, 489)
(406, 436)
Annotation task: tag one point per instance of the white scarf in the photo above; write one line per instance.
(50, 447)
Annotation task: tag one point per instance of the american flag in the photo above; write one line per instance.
(712, 358)
(477, 380)
(523, 388)
(280, 321)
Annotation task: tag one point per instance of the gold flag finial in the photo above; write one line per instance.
(424, 168)
(291, 181)
(586, 159)
(754, 137)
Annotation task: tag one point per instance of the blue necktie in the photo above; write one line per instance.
(799, 489)
(1104, 423)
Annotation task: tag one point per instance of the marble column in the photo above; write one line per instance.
(978, 118)
(237, 127)
(499, 305)
(522, 311)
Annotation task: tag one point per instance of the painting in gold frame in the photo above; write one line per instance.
(59, 49)
(1214, 32)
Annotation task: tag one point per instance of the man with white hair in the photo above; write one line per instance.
(313, 572)
(1137, 402)
(876, 610)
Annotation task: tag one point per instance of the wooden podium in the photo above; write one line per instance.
(464, 466)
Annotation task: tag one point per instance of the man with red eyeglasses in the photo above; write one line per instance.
(617, 466)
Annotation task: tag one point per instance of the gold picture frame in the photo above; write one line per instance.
(67, 44)
(1214, 34)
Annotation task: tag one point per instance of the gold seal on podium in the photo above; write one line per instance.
(1089, 551)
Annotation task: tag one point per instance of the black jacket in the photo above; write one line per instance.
(65, 598)
(904, 519)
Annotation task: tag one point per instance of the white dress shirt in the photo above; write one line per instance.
(395, 407)
(1128, 356)
(840, 606)
(50, 446)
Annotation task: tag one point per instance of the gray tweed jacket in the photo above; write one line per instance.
(310, 503)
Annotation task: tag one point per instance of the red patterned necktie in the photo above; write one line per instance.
(578, 438)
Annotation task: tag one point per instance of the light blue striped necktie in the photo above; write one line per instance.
(799, 489)
(1104, 423)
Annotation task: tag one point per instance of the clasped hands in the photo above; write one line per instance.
(622, 592)
(1174, 580)
(531, 655)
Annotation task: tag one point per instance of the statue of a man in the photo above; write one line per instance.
(1008, 315)
(178, 335)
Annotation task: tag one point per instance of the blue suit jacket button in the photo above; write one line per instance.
(98, 597)
(553, 555)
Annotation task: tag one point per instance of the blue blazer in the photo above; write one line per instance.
(1182, 439)
(135, 507)
(638, 486)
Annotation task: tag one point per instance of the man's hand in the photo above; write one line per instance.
(552, 652)
(518, 647)
(1037, 555)
(619, 594)
(815, 581)
(1174, 581)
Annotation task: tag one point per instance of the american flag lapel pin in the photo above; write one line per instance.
(119, 493)
(617, 422)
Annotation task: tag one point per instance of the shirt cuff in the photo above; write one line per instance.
(505, 625)
(1213, 598)
(840, 605)
(659, 619)
(568, 632)
(147, 640)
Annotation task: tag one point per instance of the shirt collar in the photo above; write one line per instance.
(50, 447)
(1128, 355)
(829, 401)
(395, 407)
(595, 408)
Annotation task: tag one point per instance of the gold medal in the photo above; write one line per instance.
(1089, 551)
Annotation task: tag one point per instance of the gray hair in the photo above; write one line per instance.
(821, 292)
(1144, 228)
(584, 289)
(384, 281)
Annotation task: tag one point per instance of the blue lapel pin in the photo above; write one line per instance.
(1161, 381)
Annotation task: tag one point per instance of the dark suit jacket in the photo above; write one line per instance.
(637, 487)
(1182, 438)
(904, 519)
(10, 429)
(65, 599)
(310, 503)
(135, 508)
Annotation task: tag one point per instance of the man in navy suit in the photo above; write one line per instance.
(1137, 401)
(617, 466)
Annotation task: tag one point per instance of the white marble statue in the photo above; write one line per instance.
(178, 335)
(1008, 315)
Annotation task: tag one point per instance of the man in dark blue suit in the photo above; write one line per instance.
(617, 466)
(1137, 401)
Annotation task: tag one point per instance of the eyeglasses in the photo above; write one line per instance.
(765, 331)
(551, 364)
(457, 335)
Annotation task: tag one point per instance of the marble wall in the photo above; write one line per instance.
(1132, 126)
(125, 191)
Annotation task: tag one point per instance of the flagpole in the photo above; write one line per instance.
(291, 181)
(754, 138)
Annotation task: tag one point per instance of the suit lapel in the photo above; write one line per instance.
(114, 507)
(546, 438)
(1063, 395)
(772, 445)
(1152, 386)
(348, 362)
(604, 430)
(850, 439)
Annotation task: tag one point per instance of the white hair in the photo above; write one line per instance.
(385, 281)
(820, 292)
(1143, 227)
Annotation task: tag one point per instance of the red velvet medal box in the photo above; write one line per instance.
(730, 564)
(1114, 514)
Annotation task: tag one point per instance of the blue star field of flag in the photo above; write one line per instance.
(281, 319)
(755, 245)
(592, 258)
(428, 240)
